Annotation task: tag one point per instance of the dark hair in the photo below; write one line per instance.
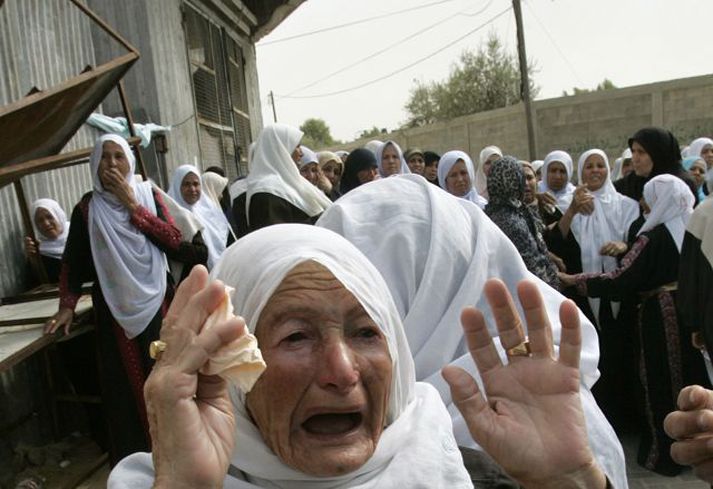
(216, 169)
(429, 157)
(358, 160)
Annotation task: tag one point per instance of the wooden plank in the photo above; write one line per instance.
(10, 173)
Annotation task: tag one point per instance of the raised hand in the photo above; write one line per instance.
(116, 183)
(692, 428)
(583, 200)
(190, 415)
(531, 422)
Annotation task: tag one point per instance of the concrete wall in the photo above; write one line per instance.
(595, 120)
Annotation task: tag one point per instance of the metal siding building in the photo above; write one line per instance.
(203, 83)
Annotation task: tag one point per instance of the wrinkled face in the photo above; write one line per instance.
(416, 164)
(698, 172)
(191, 188)
(113, 159)
(626, 167)
(458, 181)
(431, 172)
(594, 172)
(556, 176)
(640, 160)
(321, 404)
(390, 161)
(47, 224)
(332, 171)
(489, 162)
(311, 172)
(366, 176)
(297, 155)
(707, 155)
(530, 185)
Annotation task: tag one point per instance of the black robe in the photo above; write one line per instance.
(267, 209)
(123, 364)
(668, 362)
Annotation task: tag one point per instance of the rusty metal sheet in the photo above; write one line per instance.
(56, 114)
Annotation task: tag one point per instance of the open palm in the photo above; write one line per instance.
(531, 422)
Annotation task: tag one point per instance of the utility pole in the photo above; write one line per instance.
(525, 81)
(274, 110)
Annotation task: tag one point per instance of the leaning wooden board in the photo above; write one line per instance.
(22, 334)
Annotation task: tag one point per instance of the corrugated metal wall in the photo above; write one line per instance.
(42, 43)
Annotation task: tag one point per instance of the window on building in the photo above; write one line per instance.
(218, 75)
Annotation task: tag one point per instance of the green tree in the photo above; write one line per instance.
(316, 134)
(484, 80)
(374, 132)
(606, 84)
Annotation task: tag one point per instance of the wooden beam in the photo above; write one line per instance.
(11, 173)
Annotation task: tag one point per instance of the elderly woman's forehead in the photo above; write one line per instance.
(306, 274)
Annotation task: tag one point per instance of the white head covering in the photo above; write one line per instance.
(444, 167)
(610, 221)
(308, 156)
(671, 203)
(342, 154)
(373, 145)
(380, 152)
(418, 444)
(564, 196)
(215, 225)
(213, 185)
(618, 171)
(130, 268)
(698, 145)
(536, 165)
(52, 248)
(481, 180)
(435, 253)
(273, 171)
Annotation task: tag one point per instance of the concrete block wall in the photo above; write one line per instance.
(576, 123)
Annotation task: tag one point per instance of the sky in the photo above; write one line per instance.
(574, 43)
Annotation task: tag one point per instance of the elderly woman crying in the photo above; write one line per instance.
(338, 405)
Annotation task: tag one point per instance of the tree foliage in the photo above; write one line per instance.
(316, 134)
(479, 81)
(606, 84)
(374, 132)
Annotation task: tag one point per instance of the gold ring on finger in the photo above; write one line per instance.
(156, 348)
(521, 350)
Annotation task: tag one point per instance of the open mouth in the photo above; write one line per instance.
(332, 423)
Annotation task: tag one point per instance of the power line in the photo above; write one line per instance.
(552, 40)
(404, 68)
(387, 48)
(361, 21)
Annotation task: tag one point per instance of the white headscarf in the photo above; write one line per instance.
(213, 185)
(564, 196)
(308, 156)
(52, 248)
(610, 221)
(536, 165)
(435, 252)
(131, 270)
(380, 152)
(481, 179)
(373, 145)
(215, 225)
(418, 430)
(444, 167)
(671, 203)
(698, 145)
(274, 172)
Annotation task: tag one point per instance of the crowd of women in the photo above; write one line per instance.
(355, 270)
